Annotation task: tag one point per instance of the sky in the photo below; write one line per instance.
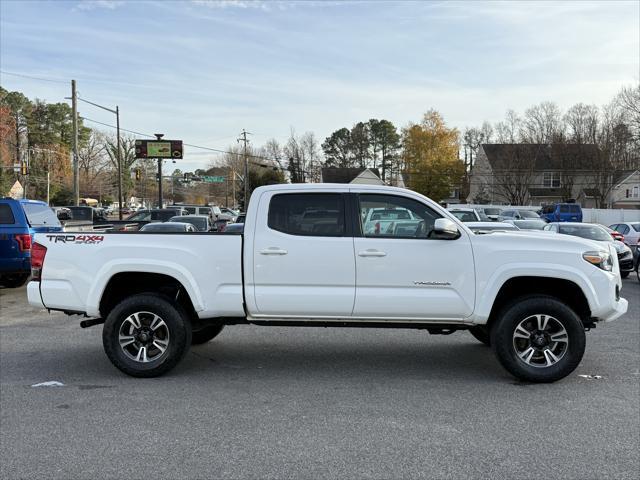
(202, 71)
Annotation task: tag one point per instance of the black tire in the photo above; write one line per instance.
(206, 334)
(481, 333)
(523, 309)
(624, 274)
(15, 280)
(176, 323)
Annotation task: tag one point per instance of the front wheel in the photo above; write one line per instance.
(538, 339)
(145, 335)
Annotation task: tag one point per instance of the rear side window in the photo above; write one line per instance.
(6, 215)
(38, 215)
(313, 214)
(564, 209)
(191, 210)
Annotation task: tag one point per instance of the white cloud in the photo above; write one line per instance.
(93, 4)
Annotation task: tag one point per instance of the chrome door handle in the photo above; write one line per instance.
(371, 253)
(273, 251)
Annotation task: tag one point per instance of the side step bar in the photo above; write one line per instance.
(91, 322)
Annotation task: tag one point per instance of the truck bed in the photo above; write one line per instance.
(79, 266)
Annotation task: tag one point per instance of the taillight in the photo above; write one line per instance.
(24, 241)
(37, 260)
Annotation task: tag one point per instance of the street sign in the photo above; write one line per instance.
(159, 149)
(211, 179)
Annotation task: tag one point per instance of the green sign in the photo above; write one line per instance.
(210, 179)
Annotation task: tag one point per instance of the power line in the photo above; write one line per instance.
(33, 78)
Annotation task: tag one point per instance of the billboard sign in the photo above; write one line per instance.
(159, 149)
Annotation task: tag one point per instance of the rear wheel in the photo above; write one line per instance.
(538, 339)
(146, 335)
(481, 333)
(206, 334)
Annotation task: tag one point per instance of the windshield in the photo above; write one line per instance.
(528, 214)
(492, 211)
(465, 216)
(40, 215)
(530, 224)
(635, 226)
(591, 232)
(199, 223)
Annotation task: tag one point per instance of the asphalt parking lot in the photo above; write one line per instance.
(276, 402)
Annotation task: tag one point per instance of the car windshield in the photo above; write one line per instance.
(591, 232)
(199, 223)
(140, 216)
(528, 214)
(635, 226)
(465, 216)
(40, 215)
(492, 211)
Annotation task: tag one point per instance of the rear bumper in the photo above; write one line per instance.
(33, 295)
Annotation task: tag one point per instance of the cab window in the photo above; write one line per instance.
(390, 216)
(311, 214)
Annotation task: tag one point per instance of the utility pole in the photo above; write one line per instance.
(76, 166)
(244, 140)
(119, 162)
(159, 137)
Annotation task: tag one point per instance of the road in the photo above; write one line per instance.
(312, 403)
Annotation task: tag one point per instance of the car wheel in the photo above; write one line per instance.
(206, 334)
(14, 281)
(638, 273)
(624, 274)
(481, 333)
(145, 335)
(538, 339)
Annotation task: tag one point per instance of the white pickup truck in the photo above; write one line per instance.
(305, 259)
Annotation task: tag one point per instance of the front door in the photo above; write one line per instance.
(402, 271)
(303, 263)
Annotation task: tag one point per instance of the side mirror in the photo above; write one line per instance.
(445, 229)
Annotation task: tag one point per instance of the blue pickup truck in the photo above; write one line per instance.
(19, 220)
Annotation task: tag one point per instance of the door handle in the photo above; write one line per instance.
(371, 253)
(273, 251)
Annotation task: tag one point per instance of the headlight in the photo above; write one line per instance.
(600, 259)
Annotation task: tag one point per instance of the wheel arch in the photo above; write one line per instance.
(562, 289)
(125, 284)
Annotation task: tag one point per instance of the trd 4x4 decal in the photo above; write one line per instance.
(75, 238)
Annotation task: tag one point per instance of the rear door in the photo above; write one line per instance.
(303, 261)
(8, 247)
(405, 273)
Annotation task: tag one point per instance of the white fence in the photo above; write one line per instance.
(589, 215)
(607, 217)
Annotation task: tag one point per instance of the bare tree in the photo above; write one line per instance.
(512, 182)
(508, 130)
(582, 123)
(542, 124)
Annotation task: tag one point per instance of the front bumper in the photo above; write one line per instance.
(618, 309)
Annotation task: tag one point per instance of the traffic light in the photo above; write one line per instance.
(24, 168)
(137, 174)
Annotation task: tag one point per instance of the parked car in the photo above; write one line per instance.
(636, 261)
(593, 231)
(517, 214)
(562, 212)
(376, 220)
(201, 222)
(229, 211)
(631, 232)
(615, 235)
(179, 209)
(488, 227)
(469, 214)
(529, 224)
(168, 227)
(240, 218)
(19, 221)
(284, 271)
(492, 213)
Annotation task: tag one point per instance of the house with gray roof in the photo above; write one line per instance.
(536, 174)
